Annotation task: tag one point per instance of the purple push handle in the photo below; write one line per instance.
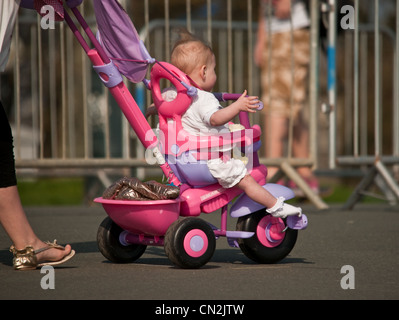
(73, 3)
(223, 96)
(28, 4)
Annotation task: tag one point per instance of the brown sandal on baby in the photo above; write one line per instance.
(26, 259)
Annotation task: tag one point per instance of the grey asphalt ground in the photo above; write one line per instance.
(365, 238)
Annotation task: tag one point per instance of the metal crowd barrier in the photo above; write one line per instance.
(64, 121)
(370, 123)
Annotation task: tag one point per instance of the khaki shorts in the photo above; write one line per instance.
(284, 92)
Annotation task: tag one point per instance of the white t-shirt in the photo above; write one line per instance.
(8, 13)
(196, 120)
(299, 16)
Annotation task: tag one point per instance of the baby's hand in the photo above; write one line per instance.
(248, 103)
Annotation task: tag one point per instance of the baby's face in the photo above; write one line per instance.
(210, 75)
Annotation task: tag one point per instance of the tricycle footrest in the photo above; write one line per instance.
(297, 223)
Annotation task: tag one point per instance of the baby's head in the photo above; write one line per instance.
(195, 58)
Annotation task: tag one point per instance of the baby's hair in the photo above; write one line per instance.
(190, 52)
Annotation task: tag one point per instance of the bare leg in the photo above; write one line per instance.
(300, 146)
(275, 135)
(256, 192)
(16, 224)
(301, 150)
(276, 207)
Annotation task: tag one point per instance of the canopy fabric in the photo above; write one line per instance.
(55, 4)
(120, 40)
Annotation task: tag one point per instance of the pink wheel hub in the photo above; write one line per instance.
(195, 243)
(270, 231)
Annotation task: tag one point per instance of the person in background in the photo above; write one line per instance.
(284, 92)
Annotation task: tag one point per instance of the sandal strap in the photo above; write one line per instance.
(50, 245)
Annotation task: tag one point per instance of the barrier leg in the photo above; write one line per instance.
(377, 169)
(358, 193)
(294, 176)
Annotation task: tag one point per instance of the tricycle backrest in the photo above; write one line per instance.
(177, 107)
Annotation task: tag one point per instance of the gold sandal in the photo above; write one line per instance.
(26, 259)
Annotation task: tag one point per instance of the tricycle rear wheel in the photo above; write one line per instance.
(190, 242)
(110, 246)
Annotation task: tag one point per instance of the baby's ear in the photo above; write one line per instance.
(203, 72)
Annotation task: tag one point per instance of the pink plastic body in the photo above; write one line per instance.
(146, 222)
(153, 218)
(213, 197)
(142, 217)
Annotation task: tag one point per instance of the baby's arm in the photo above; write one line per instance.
(244, 103)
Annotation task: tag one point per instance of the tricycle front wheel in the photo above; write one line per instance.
(272, 240)
(110, 246)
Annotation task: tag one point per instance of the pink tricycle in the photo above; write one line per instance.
(131, 226)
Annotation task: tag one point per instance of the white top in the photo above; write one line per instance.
(8, 13)
(299, 16)
(196, 120)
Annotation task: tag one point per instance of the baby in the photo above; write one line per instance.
(205, 116)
